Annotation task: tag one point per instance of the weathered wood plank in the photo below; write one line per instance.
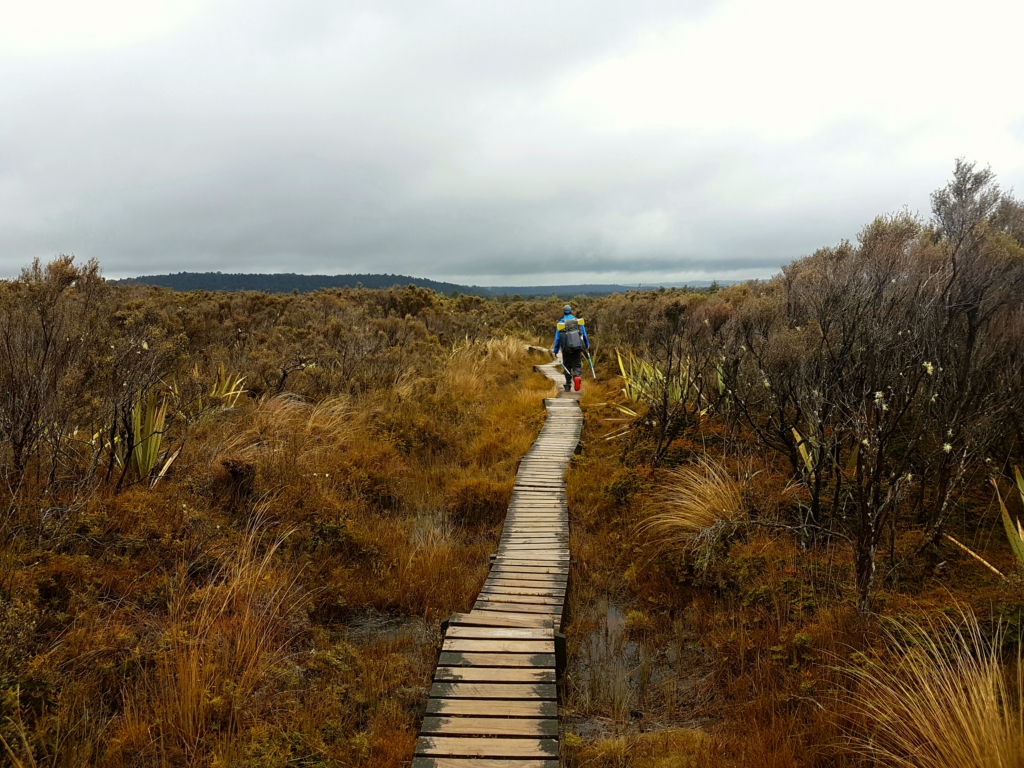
(529, 660)
(498, 708)
(493, 700)
(456, 746)
(521, 581)
(503, 633)
(502, 597)
(497, 726)
(498, 645)
(501, 589)
(545, 610)
(440, 690)
(494, 675)
(475, 619)
(502, 570)
(479, 762)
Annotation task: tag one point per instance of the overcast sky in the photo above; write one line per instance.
(489, 142)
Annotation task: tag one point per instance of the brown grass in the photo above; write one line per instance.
(695, 505)
(948, 700)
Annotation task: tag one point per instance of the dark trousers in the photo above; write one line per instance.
(573, 361)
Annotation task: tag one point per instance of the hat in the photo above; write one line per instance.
(567, 309)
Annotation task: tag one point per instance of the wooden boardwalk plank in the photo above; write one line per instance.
(479, 762)
(475, 619)
(460, 659)
(494, 675)
(503, 633)
(501, 708)
(475, 726)
(454, 746)
(493, 699)
(498, 646)
(458, 690)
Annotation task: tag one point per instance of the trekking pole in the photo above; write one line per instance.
(591, 361)
(560, 363)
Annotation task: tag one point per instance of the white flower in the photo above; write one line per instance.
(865, 442)
(929, 368)
(767, 385)
(947, 447)
(879, 396)
(145, 345)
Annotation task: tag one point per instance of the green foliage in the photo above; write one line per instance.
(1014, 530)
(148, 419)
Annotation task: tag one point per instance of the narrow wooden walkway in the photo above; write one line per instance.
(493, 702)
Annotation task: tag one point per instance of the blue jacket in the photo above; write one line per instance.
(558, 333)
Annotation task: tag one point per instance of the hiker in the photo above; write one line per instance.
(571, 339)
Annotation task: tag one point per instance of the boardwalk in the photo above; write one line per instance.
(493, 702)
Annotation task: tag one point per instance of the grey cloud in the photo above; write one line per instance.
(319, 137)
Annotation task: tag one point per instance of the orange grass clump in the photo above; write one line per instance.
(949, 701)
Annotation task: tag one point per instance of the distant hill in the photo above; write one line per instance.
(288, 282)
(587, 289)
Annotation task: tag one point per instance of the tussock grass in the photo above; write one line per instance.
(949, 701)
(221, 642)
(695, 504)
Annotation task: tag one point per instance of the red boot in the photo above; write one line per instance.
(576, 383)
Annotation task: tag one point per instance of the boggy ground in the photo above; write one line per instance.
(274, 599)
(742, 659)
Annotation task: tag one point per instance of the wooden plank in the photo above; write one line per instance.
(499, 589)
(542, 543)
(513, 571)
(498, 726)
(480, 762)
(459, 659)
(503, 597)
(551, 619)
(493, 691)
(495, 584)
(501, 708)
(493, 700)
(474, 619)
(498, 646)
(501, 607)
(467, 746)
(503, 633)
(517, 570)
(494, 675)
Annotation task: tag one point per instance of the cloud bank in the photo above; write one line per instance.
(489, 143)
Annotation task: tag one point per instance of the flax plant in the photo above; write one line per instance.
(1013, 528)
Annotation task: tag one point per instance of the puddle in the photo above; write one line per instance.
(372, 626)
(621, 679)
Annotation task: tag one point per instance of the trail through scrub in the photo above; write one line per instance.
(494, 691)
